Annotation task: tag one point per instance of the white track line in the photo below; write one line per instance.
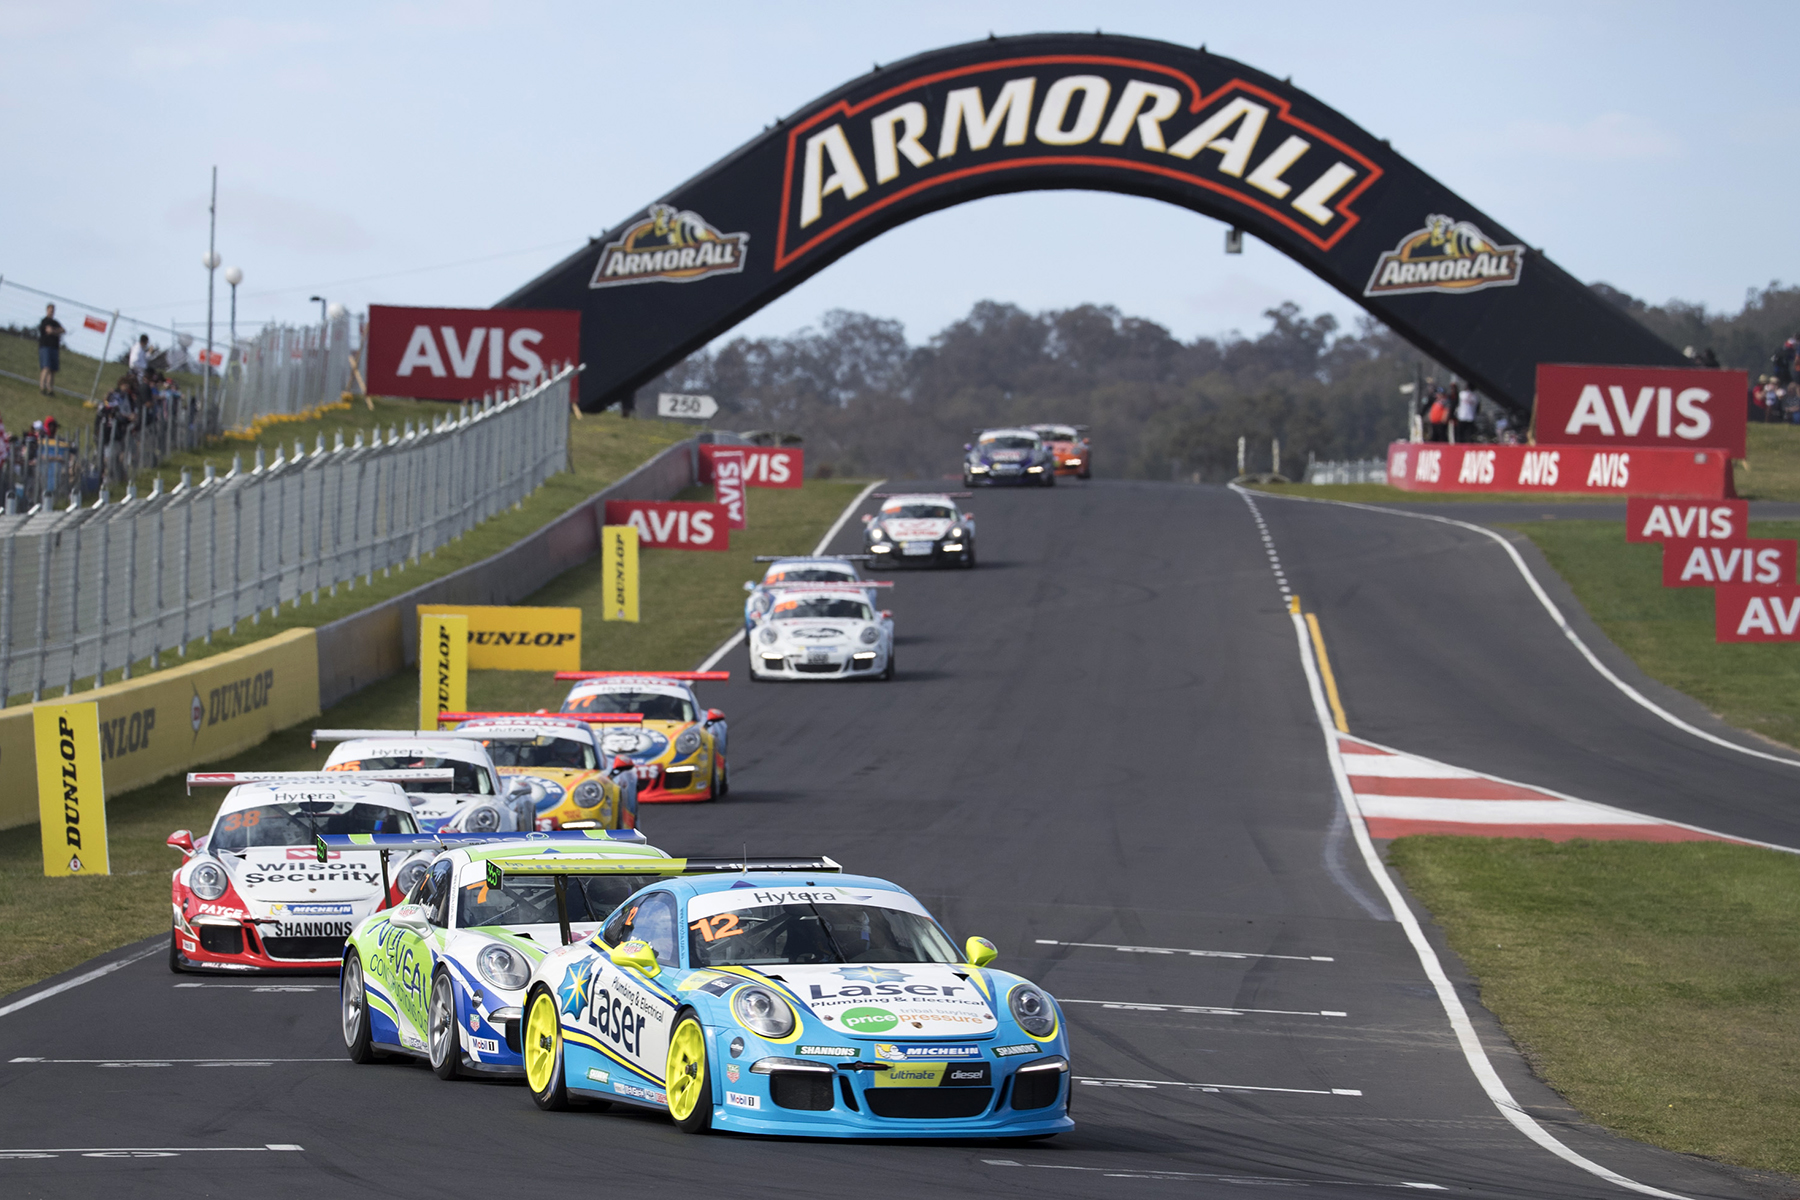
(1211, 1010)
(1191, 953)
(1154, 1173)
(107, 1151)
(170, 1062)
(87, 977)
(266, 987)
(1098, 1081)
(731, 643)
(1556, 615)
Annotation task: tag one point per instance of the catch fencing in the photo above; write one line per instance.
(1367, 470)
(288, 369)
(85, 590)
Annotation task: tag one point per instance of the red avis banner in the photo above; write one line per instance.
(460, 353)
(1749, 560)
(1757, 613)
(1417, 467)
(1660, 520)
(728, 485)
(764, 466)
(1670, 407)
(673, 524)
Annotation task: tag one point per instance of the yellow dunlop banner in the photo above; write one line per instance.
(513, 638)
(621, 545)
(71, 797)
(443, 667)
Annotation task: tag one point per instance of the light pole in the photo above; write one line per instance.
(233, 276)
(211, 263)
(320, 301)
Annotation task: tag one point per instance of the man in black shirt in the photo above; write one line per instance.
(50, 334)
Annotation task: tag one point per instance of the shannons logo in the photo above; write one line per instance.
(669, 247)
(1445, 256)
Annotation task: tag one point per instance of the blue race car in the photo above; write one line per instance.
(788, 1001)
(1015, 456)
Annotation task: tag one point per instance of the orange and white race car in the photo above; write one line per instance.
(1069, 443)
(575, 783)
(679, 748)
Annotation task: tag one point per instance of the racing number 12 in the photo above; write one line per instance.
(714, 929)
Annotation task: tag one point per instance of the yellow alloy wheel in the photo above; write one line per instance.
(686, 1082)
(543, 1030)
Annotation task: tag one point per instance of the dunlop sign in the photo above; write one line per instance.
(621, 572)
(512, 638)
(443, 667)
(71, 797)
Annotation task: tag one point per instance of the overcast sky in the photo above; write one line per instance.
(444, 153)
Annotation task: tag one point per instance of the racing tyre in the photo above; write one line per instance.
(444, 1035)
(354, 1010)
(969, 558)
(174, 953)
(888, 671)
(688, 1085)
(716, 789)
(725, 778)
(543, 1046)
(750, 665)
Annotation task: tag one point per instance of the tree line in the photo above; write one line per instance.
(867, 401)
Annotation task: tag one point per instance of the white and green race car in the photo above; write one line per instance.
(442, 975)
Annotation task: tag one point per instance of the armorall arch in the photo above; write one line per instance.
(1090, 112)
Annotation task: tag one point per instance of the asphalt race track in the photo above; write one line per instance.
(1101, 753)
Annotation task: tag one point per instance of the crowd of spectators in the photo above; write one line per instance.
(135, 418)
(1776, 395)
(1453, 412)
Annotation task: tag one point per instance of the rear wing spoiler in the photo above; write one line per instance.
(852, 584)
(324, 843)
(923, 495)
(582, 718)
(346, 735)
(335, 778)
(559, 871)
(687, 675)
(816, 557)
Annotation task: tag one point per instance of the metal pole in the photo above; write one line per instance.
(43, 615)
(111, 327)
(187, 556)
(6, 615)
(156, 629)
(105, 556)
(130, 582)
(75, 609)
(212, 265)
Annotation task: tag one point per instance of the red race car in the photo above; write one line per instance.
(1069, 443)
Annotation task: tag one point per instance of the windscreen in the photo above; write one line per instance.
(654, 706)
(1011, 441)
(924, 512)
(469, 778)
(1057, 433)
(815, 607)
(809, 575)
(574, 754)
(817, 933)
(296, 824)
(531, 899)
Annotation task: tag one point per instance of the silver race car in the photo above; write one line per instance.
(822, 631)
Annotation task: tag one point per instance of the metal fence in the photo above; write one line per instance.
(1365, 470)
(85, 590)
(288, 369)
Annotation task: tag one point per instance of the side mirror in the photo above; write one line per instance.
(713, 714)
(968, 446)
(636, 954)
(979, 952)
(518, 787)
(887, 614)
(622, 762)
(867, 517)
(183, 841)
(748, 586)
(411, 916)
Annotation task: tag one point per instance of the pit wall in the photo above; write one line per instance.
(1703, 474)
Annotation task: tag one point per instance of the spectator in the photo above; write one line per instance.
(1465, 414)
(1783, 360)
(1437, 417)
(141, 353)
(111, 424)
(50, 335)
(1709, 360)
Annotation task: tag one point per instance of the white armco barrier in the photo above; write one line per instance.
(85, 590)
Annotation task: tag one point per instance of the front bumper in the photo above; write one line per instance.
(859, 662)
(681, 783)
(892, 554)
(240, 947)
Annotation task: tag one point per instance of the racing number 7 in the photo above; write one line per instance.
(716, 928)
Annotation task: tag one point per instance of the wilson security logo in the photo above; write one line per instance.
(1446, 256)
(668, 246)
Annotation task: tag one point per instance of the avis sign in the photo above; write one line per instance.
(764, 466)
(1707, 564)
(1662, 520)
(1641, 406)
(673, 524)
(728, 485)
(1757, 613)
(461, 353)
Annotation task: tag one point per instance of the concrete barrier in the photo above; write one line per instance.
(371, 645)
(176, 719)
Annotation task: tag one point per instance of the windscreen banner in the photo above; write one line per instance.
(764, 466)
(1447, 467)
(673, 524)
(465, 353)
(1625, 407)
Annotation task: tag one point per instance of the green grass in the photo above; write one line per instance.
(1657, 986)
(604, 448)
(690, 602)
(1772, 470)
(1668, 632)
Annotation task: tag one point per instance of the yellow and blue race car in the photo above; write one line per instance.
(775, 998)
(574, 783)
(679, 748)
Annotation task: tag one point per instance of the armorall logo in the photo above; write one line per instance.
(669, 247)
(1445, 256)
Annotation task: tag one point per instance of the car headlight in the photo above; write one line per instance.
(761, 1011)
(956, 531)
(870, 636)
(1031, 1009)
(503, 968)
(688, 742)
(588, 794)
(483, 818)
(876, 533)
(409, 876)
(769, 637)
(208, 881)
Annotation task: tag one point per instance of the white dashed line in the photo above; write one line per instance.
(1098, 1081)
(266, 987)
(1212, 1010)
(1191, 953)
(1126, 1172)
(145, 1151)
(169, 1062)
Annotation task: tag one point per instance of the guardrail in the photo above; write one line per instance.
(87, 589)
(1367, 470)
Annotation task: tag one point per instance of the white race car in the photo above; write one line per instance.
(923, 529)
(252, 895)
(796, 568)
(473, 799)
(822, 631)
